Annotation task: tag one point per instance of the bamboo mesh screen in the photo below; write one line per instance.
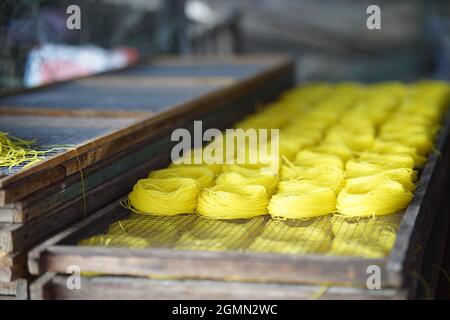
(364, 237)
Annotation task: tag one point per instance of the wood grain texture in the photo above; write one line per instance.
(51, 286)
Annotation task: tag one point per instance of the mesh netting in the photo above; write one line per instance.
(364, 237)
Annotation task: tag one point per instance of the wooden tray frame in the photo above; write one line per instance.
(53, 286)
(56, 254)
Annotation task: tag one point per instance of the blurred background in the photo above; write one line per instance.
(329, 38)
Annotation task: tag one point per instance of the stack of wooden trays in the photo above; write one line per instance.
(168, 272)
(109, 131)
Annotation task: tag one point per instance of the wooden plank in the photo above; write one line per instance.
(173, 82)
(102, 147)
(51, 286)
(5, 110)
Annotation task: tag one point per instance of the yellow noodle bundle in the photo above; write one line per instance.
(411, 119)
(290, 144)
(316, 202)
(354, 141)
(340, 150)
(269, 182)
(202, 175)
(393, 127)
(308, 94)
(385, 147)
(392, 89)
(233, 202)
(357, 124)
(308, 158)
(255, 158)
(188, 162)
(298, 186)
(269, 118)
(405, 176)
(306, 136)
(425, 110)
(250, 171)
(371, 196)
(323, 175)
(387, 161)
(422, 142)
(168, 196)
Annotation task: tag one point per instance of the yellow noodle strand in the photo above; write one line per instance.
(168, 196)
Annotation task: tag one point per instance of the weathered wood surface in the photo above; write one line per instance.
(51, 286)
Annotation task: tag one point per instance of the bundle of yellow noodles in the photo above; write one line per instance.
(188, 161)
(371, 196)
(354, 141)
(387, 161)
(168, 196)
(202, 175)
(311, 201)
(308, 158)
(322, 175)
(384, 147)
(233, 202)
(233, 178)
